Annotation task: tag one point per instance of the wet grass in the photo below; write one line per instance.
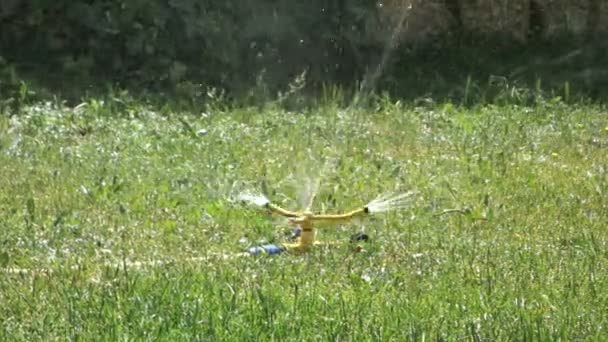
(506, 239)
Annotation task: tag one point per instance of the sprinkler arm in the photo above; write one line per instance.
(278, 210)
(317, 217)
(341, 217)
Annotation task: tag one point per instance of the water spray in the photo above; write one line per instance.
(368, 83)
(390, 202)
(255, 199)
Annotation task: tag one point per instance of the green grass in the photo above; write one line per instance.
(526, 258)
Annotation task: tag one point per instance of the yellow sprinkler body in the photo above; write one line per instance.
(306, 222)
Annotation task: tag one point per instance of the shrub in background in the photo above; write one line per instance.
(236, 44)
(158, 42)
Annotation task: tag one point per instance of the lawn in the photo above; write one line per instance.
(505, 240)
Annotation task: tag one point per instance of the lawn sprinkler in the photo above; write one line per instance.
(304, 222)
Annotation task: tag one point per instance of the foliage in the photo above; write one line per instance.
(256, 49)
(221, 44)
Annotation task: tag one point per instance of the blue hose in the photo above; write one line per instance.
(266, 249)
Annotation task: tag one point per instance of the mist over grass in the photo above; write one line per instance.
(504, 240)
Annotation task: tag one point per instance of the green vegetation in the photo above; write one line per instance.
(160, 44)
(85, 190)
(253, 49)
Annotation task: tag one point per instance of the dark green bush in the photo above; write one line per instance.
(236, 45)
(226, 44)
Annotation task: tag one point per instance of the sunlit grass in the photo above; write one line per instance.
(505, 239)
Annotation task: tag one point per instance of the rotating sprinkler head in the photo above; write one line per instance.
(305, 221)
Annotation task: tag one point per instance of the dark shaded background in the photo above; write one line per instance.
(258, 48)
